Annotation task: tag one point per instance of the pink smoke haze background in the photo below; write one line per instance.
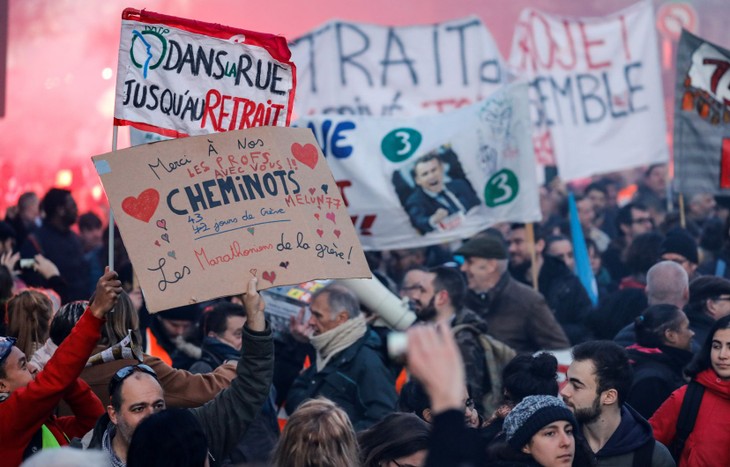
(62, 60)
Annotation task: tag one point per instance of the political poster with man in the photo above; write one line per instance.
(419, 181)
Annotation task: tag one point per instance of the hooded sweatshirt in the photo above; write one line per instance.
(632, 433)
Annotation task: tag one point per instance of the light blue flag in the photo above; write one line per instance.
(580, 251)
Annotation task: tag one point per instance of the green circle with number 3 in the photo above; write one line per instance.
(501, 188)
(400, 144)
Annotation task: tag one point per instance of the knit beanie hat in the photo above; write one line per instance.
(679, 242)
(531, 415)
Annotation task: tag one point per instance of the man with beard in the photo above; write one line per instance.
(441, 301)
(599, 379)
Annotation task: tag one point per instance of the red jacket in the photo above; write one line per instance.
(28, 408)
(708, 443)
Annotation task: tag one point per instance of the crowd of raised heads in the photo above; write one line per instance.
(520, 352)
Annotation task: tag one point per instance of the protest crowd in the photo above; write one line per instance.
(647, 381)
(392, 282)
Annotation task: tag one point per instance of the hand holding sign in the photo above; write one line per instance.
(254, 307)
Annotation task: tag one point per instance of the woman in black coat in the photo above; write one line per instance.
(661, 352)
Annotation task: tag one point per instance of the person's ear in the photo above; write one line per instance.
(526, 449)
(539, 246)
(427, 415)
(4, 387)
(609, 396)
(342, 316)
(670, 336)
(112, 414)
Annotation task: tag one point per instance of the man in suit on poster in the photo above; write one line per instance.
(436, 204)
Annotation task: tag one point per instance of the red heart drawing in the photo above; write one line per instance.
(306, 154)
(331, 216)
(337, 233)
(320, 232)
(316, 215)
(269, 276)
(142, 207)
(312, 190)
(162, 223)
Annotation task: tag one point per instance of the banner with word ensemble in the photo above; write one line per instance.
(364, 69)
(702, 117)
(412, 182)
(595, 89)
(199, 216)
(180, 77)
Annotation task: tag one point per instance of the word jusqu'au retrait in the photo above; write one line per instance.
(225, 111)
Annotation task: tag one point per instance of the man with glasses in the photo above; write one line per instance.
(135, 394)
(28, 401)
(632, 220)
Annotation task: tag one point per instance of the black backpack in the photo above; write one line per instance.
(687, 417)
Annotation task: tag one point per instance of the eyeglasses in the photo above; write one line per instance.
(417, 288)
(125, 373)
(6, 346)
(643, 220)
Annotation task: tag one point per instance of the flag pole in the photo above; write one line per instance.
(111, 213)
(530, 232)
(682, 219)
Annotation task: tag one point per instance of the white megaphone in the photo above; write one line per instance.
(381, 301)
(125, 349)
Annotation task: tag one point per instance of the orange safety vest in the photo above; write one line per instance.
(155, 349)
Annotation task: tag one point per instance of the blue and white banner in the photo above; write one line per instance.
(411, 182)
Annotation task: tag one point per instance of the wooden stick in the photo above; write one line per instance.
(530, 234)
(682, 219)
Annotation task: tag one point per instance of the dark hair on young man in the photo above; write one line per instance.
(550, 239)
(623, 217)
(644, 252)
(216, 320)
(53, 200)
(702, 359)
(89, 221)
(450, 280)
(613, 370)
(413, 399)
(596, 186)
(6, 231)
(651, 325)
(528, 375)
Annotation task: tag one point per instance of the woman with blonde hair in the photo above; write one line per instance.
(29, 315)
(318, 433)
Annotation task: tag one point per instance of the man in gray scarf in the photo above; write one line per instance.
(349, 368)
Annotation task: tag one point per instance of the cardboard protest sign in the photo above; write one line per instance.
(180, 77)
(352, 68)
(595, 89)
(411, 182)
(199, 216)
(702, 117)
